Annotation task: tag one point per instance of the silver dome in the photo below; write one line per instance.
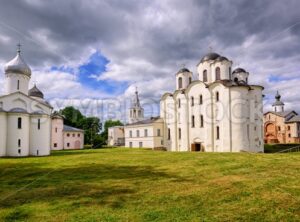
(36, 92)
(17, 65)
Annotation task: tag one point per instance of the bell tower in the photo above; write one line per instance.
(278, 105)
(136, 112)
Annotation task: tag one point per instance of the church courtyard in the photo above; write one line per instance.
(143, 185)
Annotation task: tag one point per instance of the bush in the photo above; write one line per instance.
(274, 148)
(99, 142)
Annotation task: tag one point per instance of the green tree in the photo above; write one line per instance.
(72, 116)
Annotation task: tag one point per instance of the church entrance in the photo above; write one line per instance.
(196, 147)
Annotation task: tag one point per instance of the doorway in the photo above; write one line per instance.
(197, 147)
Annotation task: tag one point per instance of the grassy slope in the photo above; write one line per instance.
(143, 185)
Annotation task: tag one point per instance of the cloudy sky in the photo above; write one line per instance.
(93, 52)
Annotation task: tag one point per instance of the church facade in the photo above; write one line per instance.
(281, 126)
(24, 114)
(218, 112)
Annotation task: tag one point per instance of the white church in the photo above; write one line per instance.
(27, 125)
(25, 117)
(218, 112)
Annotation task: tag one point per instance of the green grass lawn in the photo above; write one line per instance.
(144, 185)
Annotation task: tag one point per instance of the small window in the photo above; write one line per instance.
(158, 132)
(218, 73)
(130, 134)
(56, 129)
(68, 134)
(68, 144)
(289, 127)
(130, 144)
(55, 144)
(279, 128)
(229, 72)
(193, 121)
(205, 75)
(162, 142)
(169, 134)
(192, 101)
(18, 85)
(39, 124)
(73, 135)
(289, 135)
(19, 123)
(146, 132)
(217, 96)
(19, 151)
(78, 135)
(137, 133)
(140, 144)
(37, 152)
(200, 100)
(201, 121)
(179, 82)
(190, 80)
(179, 133)
(19, 143)
(218, 132)
(179, 103)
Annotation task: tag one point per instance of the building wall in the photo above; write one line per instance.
(73, 140)
(57, 138)
(11, 83)
(40, 137)
(14, 135)
(115, 134)
(151, 140)
(3, 133)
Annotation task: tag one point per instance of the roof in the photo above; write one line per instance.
(72, 129)
(282, 114)
(210, 56)
(17, 65)
(34, 91)
(238, 70)
(183, 70)
(142, 122)
(294, 119)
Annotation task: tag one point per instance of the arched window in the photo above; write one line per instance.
(180, 82)
(169, 134)
(18, 85)
(190, 80)
(201, 121)
(179, 133)
(179, 103)
(19, 123)
(192, 101)
(205, 75)
(193, 121)
(218, 133)
(218, 73)
(200, 100)
(236, 79)
(39, 124)
(137, 133)
(217, 96)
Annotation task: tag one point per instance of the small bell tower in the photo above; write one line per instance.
(136, 112)
(278, 104)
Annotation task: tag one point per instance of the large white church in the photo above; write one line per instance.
(25, 117)
(218, 112)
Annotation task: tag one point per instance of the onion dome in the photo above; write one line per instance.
(278, 102)
(183, 70)
(17, 65)
(210, 56)
(238, 70)
(221, 58)
(35, 92)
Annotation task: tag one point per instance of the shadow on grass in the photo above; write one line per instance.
(88, 182)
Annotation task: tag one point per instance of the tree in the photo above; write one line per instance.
(110, 123)
(72, 116)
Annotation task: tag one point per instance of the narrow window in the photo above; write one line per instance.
(201, 121)
(73, 135)
(179, 82)
(289, 128)
(217, 96)
(137, 133)
(78, 135)
(179, 133)
(130, 134)
(193, 121)
(146, 132)
(289, 135)
(68, 135)
(140, 144)
(37, 152)
(55, 144)
(130, 144)
(56, 129)
(19, 151)
(158, 132)
(19, 123)
(218, 73)
(192, 101)
(205, 75)
(68, 144)
(229, 72)
(179, 103)
(19, 143)
(190, 80)
(200, 100)
(162, 142)
(218, 132)
(169, 134)
(39, 124)
(18, 85)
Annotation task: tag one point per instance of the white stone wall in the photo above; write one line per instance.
(57, 133)
(11, 83)
(39, 137)
(3, 133)
(114, 133)
(185, 76)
